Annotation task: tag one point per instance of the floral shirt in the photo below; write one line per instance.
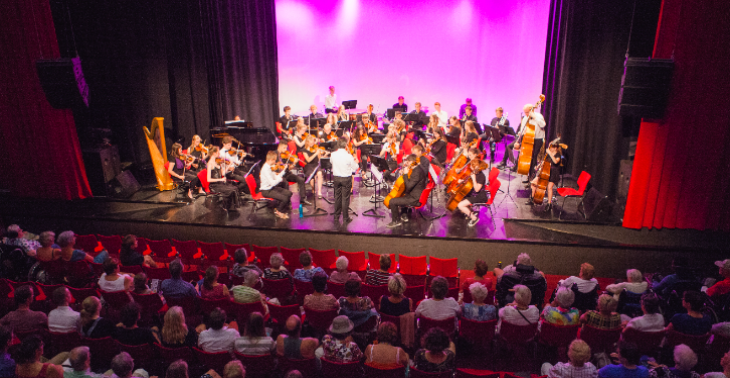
(479, 313)
(306, 275)
(339, 351)
(559, 316)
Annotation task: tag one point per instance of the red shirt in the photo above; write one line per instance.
(720, 288)
(486, 282)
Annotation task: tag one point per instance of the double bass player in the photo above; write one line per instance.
(535, 118)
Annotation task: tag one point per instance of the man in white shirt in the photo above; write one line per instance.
(63, 319)
(343, 165)
(652, 320)
(538, 120)
(330, 102)
(585, 281)
(218, 338)
(443, 116)
(234, 162)
(270, 185)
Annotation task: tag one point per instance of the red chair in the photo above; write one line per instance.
(558, 336)
(450, 149)
(325, 259)
(696, 342)
(374, 260)
(150, 304)
(102, 351)
(398, 372)
(374, 292)
(492, 188)
(414, 266)
(257, 197)
(216, 361)
(648, 342)
(415, 293)
(112, 243)
(132, 269)
(291, 256)
(447, 268)
(718, 348)
(141, 354)
(161, 250)
(116, 299)
(281, 313)
(393, 319)
(189, 306)
(97, 268)
(320, 320)
(231, 250)
(600, 340)
(570, 192)
(337, 290)
(280, 289)
(208, 305)
(307, 367)
(425, 324)
(356, 261)
(215, 254)
(332, 369)
(242, 310)
(158, 273)
(83, 293)
(256, 366)
(188, 251)
(142, 246)
(303, 289)
(415, 373)
(423, 201)
(516, 334)
(62, 342)
(170, 355)
(190, 276)
(474, 373)
(88, 244)
(263, 254)
(479, 333)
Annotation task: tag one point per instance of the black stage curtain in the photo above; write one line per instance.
(195, 63)
(585, 52)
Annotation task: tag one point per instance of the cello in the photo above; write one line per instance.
(543, 173)
(399, 186)
(465, 185)
(527, 143)
(459, 164)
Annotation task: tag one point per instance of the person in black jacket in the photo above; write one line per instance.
(129, 256)
(414, 185)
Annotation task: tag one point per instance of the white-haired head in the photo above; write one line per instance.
(478, 292)
(276, 260)
(524, 259)
(250, 278)
(684, 358)
(342, 263)
(565, 297)
(523, 295)
(634, 275)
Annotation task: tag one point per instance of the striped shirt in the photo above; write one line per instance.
(257, 346)
(377, 277)
(245, 294)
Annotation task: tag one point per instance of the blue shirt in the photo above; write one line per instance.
(306, 275)
(479, 313)
(619, 371)
(7, 366)
(177, 288)
(691, 326)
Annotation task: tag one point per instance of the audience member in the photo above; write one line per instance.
(211, 288)
(559, 312)
(255, 341)
(628, 367)
(179, 369)
(79, 360)
(293, 374)
(24, 320)
(684, 360)
(635, 283)
(694, 322)
(439, 307)
(338, 345)
(93, 325)
(319, 300)
(396, 304)
(579, 353)
(522, 271)
(16, 237)
(122, 366)
(438, 353)
(721, 287)
(385, 355)
(241, 265)
(306, 272)
(585, 281)
(7, 364)
(520, 312)
(245, 293)
(48, 251)
(652, 320)
(341, 275)
(28, 360)
(63, 319)
(140, 284)
(234, 369)
(175, 332)
(111, 280)
(291, 345)
(129, 256)
(129, 333)
(478, 310)
(67, 242)
(175, 287)
(217, 338)
(276, 271)
(605, 317)
(681, 273)
(725, 363)
(380, 276)
(480, 275)
(358, 309)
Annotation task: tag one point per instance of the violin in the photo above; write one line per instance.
(202, 148)
(366, 138)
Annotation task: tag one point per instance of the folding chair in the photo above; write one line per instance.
(570, 192)
(263, 254)
(162, 251)
(256, 197)
(492, 188)
(374, 261)
(112, 243)
(291, 256)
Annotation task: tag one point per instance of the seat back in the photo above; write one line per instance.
(585, 301)
(416, 266)
(393, 319)
(83, 293)
(87, 243)
(141, 354)
(629, 303)
(493, 188)
(583, 182)
(557, 335)
(243, 310)
(493, 174)
(425, 324)
(600, 340)
(415, 293)
(337, 290)
(216, 361)
(374, 260)
(444, 267)
(142, 246)
(256, 366)
(477, 332)
(291, 256)
(251, 183)
(332, 369)
(415, 373)
(188, 251)
(277, 288)
(79, 273)
(374, 292)
(170, 355)
(281, 313)
(356, 261)
(158, 273)
(132, 269)
(231, 250)
(696, 342)
(188, 304)
(324, 258)
(320, 320)
(62, 342)
(112, 243)
(647, 342)
(102, 351)
(150, 303)
(116, 299)
(208, 305)
(308, 367)
(161, 250)
(303, 289)
(474, 373)
(213, 252)
(203, 177)
(423, 199)
(398, 372)
(263, 254)
(450, 148)
(517, 334)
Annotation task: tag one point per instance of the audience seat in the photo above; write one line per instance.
(162, 251)
(332, 369)
(215, 361)
(242, 310)
(116, 299)
(374, 260)
(600, 340)
(112, 243)
(208, 305)
(158, 273)
(356, 261)
(413, 269)
(170, 355)
(696, 342)
(87, 243)
(215, 254)
(324, 258)
(395, 320)
(280, 289)
(256, 366)
(308, 367)
(62, 342)
(557, 337)
(415, 293)
(291, 256)
(231, 250)
(102, 352)
(79, 294)
(473, 373)
(415, 373)
(447, 268)
(303, 288)
(263, 254)
(648, 342)
(188, 251)
(132, 269)
(478, 333)
(281, 313)
(151, 306)
(320, 320)
(337, 290)
(142, 246)
(398, 372)
(425, 324)
(374, 292)
(142, 354)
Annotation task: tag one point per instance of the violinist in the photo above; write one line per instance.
(284, 121)
(438, 147)
(313, 114)
(217, 181)
(554, 152)
(327, 135)
(312, 153)
(234, 161)
(462, 150)
(468, 116)
(180, 168)
(414, 181)
(422, 161)
(390, 152)
(299, 137)
(271, 185)
(371, 116)
(331, 122)
(286, 158)
(454, 129)
(478, 193)
(342, 114)
(361, 137)
(197, 150)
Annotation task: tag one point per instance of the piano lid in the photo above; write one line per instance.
(252, 136)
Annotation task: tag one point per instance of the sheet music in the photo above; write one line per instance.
(377, 174)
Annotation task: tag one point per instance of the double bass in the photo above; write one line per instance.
(527, 144)
(464, 185)
(399, 186)
(543, 173)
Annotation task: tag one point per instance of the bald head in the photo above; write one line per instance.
(79, 358)
(293, 326)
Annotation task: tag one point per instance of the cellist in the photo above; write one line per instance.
(414, 183)
(478, 193)
(554, 153)
(538, 120)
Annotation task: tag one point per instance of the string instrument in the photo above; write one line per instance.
(543, 175)
(399, 186)
(286, 156)
(393, 153)
(527, 144)
(202, 148)
(188, 159)
(456, 167)
(464, 185)
(331, 136)
(365, 138)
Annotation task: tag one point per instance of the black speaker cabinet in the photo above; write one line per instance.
(63, 82)
(102, 165)
(123, 186)
(645, 87)
(597, 207)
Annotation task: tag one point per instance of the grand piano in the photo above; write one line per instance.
(257, 141)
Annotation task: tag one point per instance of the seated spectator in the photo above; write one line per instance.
(338, 345)
(438, 353)
(439, 307)
(578, 353)
(16, 237)
(112, 280)
(179, 369)
(306, 273)
(521, 271)
(233, 369)
(478, 310)
(629, 363)
(175, 287)
(277, 271)
(635, 283)
(652, 320)
(129, 256)
(682, 273)
(129, 333)
(245, 293)
(721, 287)
(480, 275)
(79, 364)
(122, 366)
(684, 360)
(217, 338)
(725, 363)
(358, 309)
(385, 355)
(606, 317)
(694, 322)
(293, 374)
(396, 304)
(255, 342)
(319, 300)
(520, 312)
(559, 312)
(67, 242)
(140, 284)
(380, 276)
(63, 319)
(341, 275)
(24, 320)
(585, 281)
(241, 265)
(28, 360)
(175, 332)
(7, 364)
(211, 288)
(290, 344)
(48, 251)
(93, 325)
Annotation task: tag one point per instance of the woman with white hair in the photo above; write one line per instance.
(684, 360)
(478, 310)
(47, 252)
(520, 312)
(606, 317)
(635, 283)
(579, 353)
(341, 275)
(560, 311)
(277, 271)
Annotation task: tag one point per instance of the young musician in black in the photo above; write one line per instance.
(217, 181)
(414, 184)
(234, 163)
(360, 138)
(401, 105)
(390, 150)
(423, 162)
(438, 147)
(284, 121)
(180, 168)
(193, 151)
(290, 176)
(478, 193)
(553, 154)
(469, 132)
(313, 113)
(422, 117)
(499, 120)
(312, 153)
(299, 137)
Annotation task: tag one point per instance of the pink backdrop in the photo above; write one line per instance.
(431, 50)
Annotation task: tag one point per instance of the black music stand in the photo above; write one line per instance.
(375, 198)
(345, 125)
(326, 165)
(316, 123)
(494, 133)
(371, 150)
(390, 113)
(291, 124)
(317, 210)
(508, 138)
(350, 104)
(377, 137)
(328, 146)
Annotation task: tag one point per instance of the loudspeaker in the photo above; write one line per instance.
(123, 186)
(63, 82)
(102, 165)
(645, 87)
(624, 178)
(597, 206)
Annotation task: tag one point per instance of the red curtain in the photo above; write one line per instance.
(681, 169)
(39, 145)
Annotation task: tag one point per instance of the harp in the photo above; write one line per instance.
(158, 152)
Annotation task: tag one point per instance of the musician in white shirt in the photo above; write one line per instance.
(270, 188)
(538, 120)
(343, 165)
(235, 163)
(443, 116)
(330, 102)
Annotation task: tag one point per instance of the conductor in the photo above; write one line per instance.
(414, 185)
(343, 165)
